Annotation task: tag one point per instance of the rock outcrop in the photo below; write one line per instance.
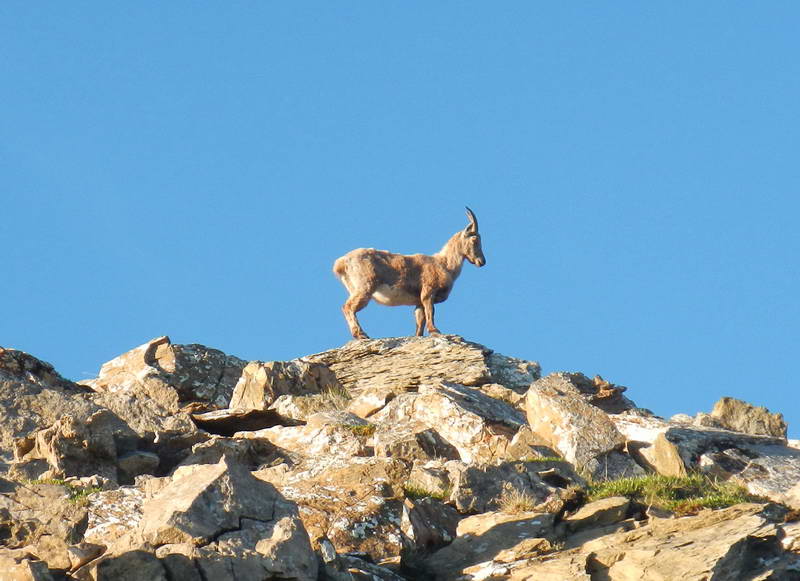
(388, 459)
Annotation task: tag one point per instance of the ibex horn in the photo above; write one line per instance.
(473, 221)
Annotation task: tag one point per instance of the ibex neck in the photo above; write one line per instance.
(451, 256)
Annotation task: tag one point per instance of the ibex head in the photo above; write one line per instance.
(471, 241)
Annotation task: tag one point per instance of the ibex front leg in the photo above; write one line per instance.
(419, 316)
(427, 305)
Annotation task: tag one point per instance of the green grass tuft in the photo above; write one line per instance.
(681, 495)
(416, 492)
(360, 429)
(77, 494)
(543, 459)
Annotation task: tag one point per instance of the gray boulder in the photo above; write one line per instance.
(581, 432)
(740, 416)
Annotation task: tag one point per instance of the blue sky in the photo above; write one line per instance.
(193, 169)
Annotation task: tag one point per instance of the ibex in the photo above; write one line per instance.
(417, 280)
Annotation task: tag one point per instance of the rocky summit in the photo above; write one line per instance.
(428, 458)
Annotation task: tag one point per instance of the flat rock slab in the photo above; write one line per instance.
(599, 513)
(403, 362)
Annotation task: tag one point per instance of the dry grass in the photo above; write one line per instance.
(514, 501)
(327, 401)
(365, 430)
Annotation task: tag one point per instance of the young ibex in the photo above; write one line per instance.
(417, 280)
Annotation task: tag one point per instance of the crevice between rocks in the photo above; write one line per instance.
(228, 422)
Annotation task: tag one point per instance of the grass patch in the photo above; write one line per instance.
(327, 401)
(77, 494)
(514, 501)
(681, 495)
(336, 398)
(360, 429)
(416, 492)
(543, 459)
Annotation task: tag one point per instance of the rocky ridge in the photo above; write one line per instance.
(403, 458)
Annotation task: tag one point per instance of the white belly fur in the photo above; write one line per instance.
(387, 295)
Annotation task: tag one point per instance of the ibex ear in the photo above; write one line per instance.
(472, 227)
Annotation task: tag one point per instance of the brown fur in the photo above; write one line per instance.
(417, 280)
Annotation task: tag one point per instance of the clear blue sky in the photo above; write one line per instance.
(193, 169)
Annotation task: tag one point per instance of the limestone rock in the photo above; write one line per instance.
(205, 501)
(479, 427)
(16, 566)
(132, 566)
(372, 400)
(791, 498)
(377, 455)
(599, 513)
(232, 525)
(355, 502)
(724, 464)
(254, 453)
(597, 391)
(526, 444)
(41, 528)
(613, 465)
(296, 409)
(326, 433)
(672, 449)
(411, 442)
(172, 374)
(352, 568)
(431, 478)
(737, 543)
(69, 447)
(261, 383)
(482, 537)
(33, 396)
(138, 423)
(35, 510)
(740, 416)
(20, 366)
(479, 488)
(405, 362)
(559, 414)
(762, 464)
(113, 514)
(772, 472)
(428, 523)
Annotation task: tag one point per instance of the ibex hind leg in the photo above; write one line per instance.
(352, 305)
